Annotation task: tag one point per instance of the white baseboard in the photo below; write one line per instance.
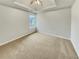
(56, 35)
(75, 48)
(18, 37)
(6, 42)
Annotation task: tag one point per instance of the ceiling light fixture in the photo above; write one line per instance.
(36, 2)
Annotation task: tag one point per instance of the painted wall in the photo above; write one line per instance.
(13, 24)
(56, 23)
(75, 26)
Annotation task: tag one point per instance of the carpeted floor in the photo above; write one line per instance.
(38, 46)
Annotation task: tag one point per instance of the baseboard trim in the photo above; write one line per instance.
(56, 35)
(75, 48)
(21, 36)
(1, 44)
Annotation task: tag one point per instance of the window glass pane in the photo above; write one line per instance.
(32, 21)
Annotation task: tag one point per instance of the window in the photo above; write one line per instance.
(32, 21)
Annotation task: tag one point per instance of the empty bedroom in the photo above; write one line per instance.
(39, 29)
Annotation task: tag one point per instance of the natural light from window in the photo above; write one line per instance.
(32, 21)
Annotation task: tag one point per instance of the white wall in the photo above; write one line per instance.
(13, 24)
(75, 26)
(55, 23)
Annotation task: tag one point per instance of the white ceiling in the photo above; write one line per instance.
(48, 5)
(10, 3)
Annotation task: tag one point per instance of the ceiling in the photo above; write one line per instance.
(48, 5)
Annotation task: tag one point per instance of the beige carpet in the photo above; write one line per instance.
(38, 46)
